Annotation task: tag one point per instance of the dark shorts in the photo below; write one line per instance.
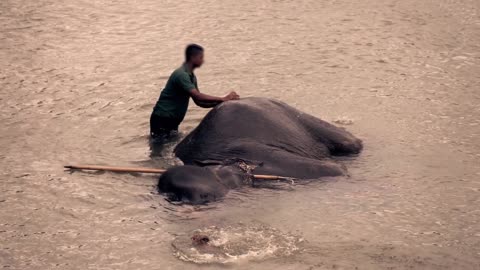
(162, 127)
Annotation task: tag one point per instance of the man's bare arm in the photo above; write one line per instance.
(206, 104)
(208, 101)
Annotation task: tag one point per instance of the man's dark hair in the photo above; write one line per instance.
(192, 50)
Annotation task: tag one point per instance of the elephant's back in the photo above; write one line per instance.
(253, 118)
(249, 121)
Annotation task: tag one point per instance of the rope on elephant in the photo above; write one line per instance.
(247, 169)
(248, 166)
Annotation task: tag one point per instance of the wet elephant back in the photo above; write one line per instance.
(246, 127)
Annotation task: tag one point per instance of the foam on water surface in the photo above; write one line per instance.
(236, 243)
(343, 121)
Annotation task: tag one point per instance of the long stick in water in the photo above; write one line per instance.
(114, 169)
(153, 170)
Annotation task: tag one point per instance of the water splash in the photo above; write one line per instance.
(234, 244)
(343, 121)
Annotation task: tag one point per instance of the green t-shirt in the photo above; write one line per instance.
(173, 101)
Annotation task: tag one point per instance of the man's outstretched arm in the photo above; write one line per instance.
(207, 101)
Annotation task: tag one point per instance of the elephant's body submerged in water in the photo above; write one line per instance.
(270, 136)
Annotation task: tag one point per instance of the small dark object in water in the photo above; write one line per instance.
(200, 239)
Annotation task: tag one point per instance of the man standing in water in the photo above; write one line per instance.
(172, 105)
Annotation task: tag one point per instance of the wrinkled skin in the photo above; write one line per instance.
(269, 135)
(199, 184)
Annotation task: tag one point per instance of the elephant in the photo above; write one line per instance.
(254, 136)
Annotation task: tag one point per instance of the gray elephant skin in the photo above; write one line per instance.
(265, 135)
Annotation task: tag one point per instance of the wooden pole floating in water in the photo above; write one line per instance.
(114, 169)
(153, 170)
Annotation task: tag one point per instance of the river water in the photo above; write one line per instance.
(78, 80)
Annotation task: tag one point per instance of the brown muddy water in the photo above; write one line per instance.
(78, 80)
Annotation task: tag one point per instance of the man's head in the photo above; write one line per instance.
(194, 55)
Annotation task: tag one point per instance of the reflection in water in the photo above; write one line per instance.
(79, 79)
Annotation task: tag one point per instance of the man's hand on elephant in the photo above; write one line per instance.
(231, 96)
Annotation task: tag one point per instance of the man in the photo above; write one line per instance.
(172, 105)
